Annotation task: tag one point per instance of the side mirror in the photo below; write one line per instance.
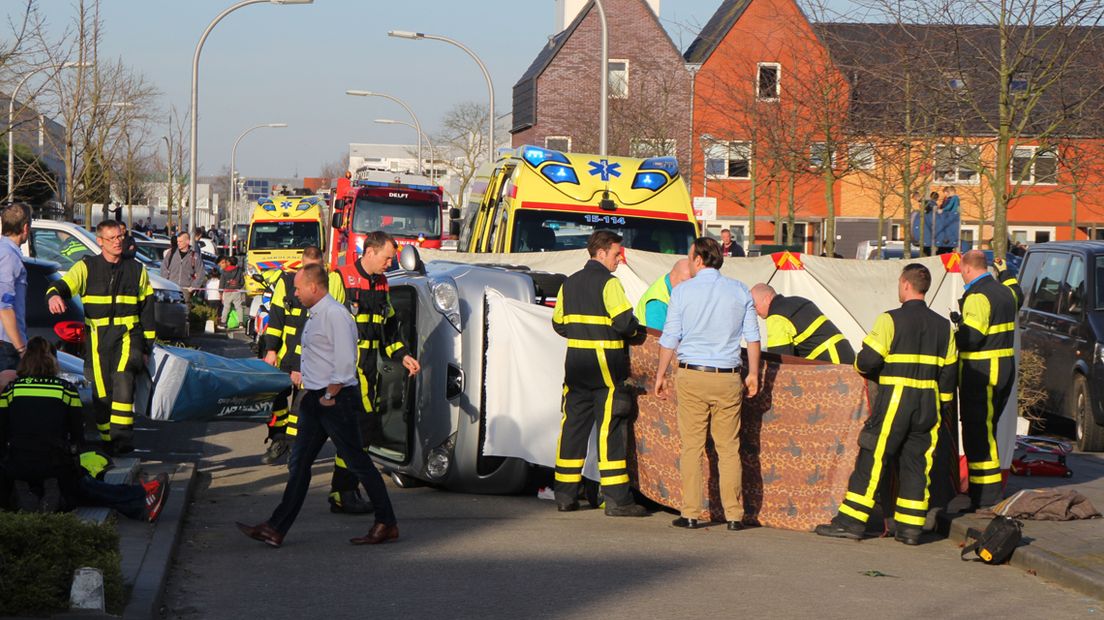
(454, 228)
(335, 221)
(410, 260)
(454, 213)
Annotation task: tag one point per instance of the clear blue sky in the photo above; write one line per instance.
(269, 63)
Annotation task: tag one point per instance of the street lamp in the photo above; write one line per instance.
(603, 106)
(233, 163)
(432, 155)
(414, 36)
(11, 119)
(194, 163)
(417, 125)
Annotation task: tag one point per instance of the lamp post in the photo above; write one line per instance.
(414, 36)
(432, 155)
(194, 163)
(417, 125)
(11, 120)
(603, 105)
(233, 167)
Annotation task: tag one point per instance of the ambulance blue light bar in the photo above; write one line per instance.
(420, 188)
(649, 180)
(560, 174)
(664, 164)
(536, 156)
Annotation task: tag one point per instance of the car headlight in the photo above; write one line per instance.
(1100, 353)
(437, 464)
(77, 380)
(446, 299)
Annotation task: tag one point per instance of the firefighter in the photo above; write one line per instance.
(367, 297)
(281, 344)
(118, 311)
(796, 326)
(911, 354)
(986, 331)
(597, 319)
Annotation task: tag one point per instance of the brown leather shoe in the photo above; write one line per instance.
(264, 533)
(380, 533)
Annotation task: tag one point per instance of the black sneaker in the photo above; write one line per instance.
(628, 510)
(350, 503)
(277, 448)
(836, 530)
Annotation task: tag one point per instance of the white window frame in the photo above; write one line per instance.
(958, 168)
(567, 138)
(637, 146)
(1028, 233)
(820, 147)
(739, 230)
(609, 77)
(723, 151)
(1031, 156)
(777, 81)
(975, 235)
(860, 147)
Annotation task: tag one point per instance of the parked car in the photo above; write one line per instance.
(65, 330)
(1062, 321)
(66, 243)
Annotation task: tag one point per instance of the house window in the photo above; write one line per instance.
(1018, 82)
(956, 164)
(819, 153)
(861, 156)
(1030, 164)
(767, 81)
(728, 160)
(558, 143)
(644, 148)
(618, 79)
(896, 232)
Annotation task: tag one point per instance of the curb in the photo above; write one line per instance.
(1041, 563)
(149, 587)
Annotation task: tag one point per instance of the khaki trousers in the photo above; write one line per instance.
(709, 401)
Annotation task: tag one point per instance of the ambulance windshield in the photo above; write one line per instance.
(541, 231)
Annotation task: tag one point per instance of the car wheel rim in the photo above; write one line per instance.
(1081, 418)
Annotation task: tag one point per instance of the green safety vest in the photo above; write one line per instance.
(658, 291)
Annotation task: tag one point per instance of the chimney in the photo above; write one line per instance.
(568, 10)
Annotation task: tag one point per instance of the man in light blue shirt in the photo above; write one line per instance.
(15, 225)
(707, 317)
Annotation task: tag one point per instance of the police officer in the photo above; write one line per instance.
(796, 326)
(597, 319)
(118, 311)
(367, 297)
(986, 331)
(911, 354)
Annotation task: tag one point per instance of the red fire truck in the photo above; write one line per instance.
(406, 206)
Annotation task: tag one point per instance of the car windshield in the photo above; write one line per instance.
(398, 218)
(284, 235)
(1100, 282)
(61, 246)
(537, 231)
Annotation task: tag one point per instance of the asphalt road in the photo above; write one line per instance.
(469, 556)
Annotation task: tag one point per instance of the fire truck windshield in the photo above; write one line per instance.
(403, 219)
(537, 231)
(284, 235)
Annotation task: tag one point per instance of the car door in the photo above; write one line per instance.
(1039, 321)
(1070, 341)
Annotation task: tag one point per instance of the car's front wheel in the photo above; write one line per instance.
(1090, 435)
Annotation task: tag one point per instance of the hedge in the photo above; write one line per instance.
(38, 554)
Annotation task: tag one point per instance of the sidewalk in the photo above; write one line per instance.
(1069, 553)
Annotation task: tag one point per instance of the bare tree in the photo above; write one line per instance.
(463, 137)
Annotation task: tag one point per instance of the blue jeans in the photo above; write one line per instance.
(338, 423)
(128, 499)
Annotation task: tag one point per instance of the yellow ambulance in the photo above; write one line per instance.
(280, 228)
(538, 200)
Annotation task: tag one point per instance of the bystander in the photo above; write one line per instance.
(15, 224)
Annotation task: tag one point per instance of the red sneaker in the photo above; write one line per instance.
(155, 496)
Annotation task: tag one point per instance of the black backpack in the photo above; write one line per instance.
(996, 544)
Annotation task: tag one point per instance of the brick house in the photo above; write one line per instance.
(556, 101)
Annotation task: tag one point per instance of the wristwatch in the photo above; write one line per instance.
(328, 396)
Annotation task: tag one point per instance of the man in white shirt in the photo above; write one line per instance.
(330, 408)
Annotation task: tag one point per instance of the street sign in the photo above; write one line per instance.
(705, 208)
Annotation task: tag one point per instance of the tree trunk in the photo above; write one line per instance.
(752, 201)
(1073, 217)
(791, 184)
(830, 202)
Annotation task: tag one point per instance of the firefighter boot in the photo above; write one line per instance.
(277, 447)
(350, 503)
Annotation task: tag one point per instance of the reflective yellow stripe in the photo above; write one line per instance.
(587, 319)
(984, 465)
(986, 355)
(390, 350)
(570, 462)
(568, 477)
(859, 499)
(608, 481)
(340, 462)
(877, 346)
(803, 336)
(607, 409)
(883, 436)
(1000, 328)
(851, 512)
(831, 342)
(946, 397)
(108, 299)
(124, 420)
(990, 479)
(912, 504)
(121, 321)
(930, 452)
(563, 419)
(273, 331)
(368, 344)
(293, 419)
(608, 465)
(908, 358)
(362, 381)
(574, 343)
(921, 384)
(106, 426)
(289, 330)
(150, 335)
(97, 372)
(124, 354)
(989, 416)
(908, 519)
(370, 318)
(122, 407)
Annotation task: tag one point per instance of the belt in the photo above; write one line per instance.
(708, 368)
(323, 390)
